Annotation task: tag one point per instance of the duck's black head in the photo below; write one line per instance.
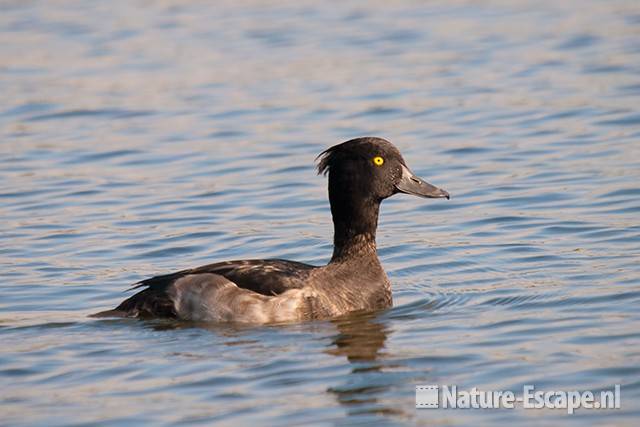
(362, 173)
(372, 168)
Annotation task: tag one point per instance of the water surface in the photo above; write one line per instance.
(143, 137)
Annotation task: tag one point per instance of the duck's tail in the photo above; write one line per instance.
(110, 313)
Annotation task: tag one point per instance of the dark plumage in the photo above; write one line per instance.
(362, 172)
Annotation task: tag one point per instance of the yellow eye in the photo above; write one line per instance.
(378, 161)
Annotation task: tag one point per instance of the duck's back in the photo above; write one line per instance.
(161, 295)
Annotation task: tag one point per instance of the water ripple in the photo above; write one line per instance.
(186, 134)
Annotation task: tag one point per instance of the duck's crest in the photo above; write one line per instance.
(325, 159)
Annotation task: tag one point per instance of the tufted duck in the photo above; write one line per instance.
(362, 172)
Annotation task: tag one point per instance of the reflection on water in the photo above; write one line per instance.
(360, 339)
(140, 139)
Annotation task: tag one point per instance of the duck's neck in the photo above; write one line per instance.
(354, 226)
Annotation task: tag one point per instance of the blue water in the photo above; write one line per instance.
(138, 138)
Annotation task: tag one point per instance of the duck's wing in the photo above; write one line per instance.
(248, 280)
(264, 276)
(209, 297)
